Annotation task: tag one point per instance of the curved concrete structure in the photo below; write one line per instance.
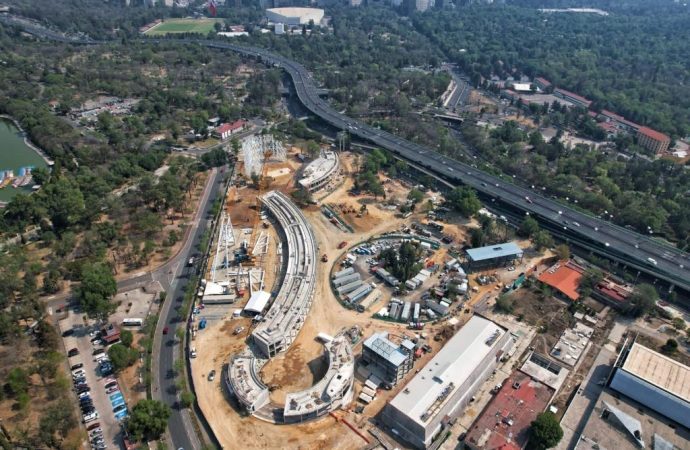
(319, 172)
(594, 234)
(285, 318)
(282, 324)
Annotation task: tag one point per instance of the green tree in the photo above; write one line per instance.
(464, 200)
(542, 239)
(64, 202)
(562, 251)
(121, 356)
(17, 382)
(643, 300)
(415, 195)
(148, 420)
(97, 287)
(186, 399)
(504, 304)
(670, 347)
(589, 280)
(545, 432)
(126, 337)
(529, 227)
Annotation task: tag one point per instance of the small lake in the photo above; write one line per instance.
(15, 156)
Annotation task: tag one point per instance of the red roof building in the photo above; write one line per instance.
(228, 129)
(542, 83)
(652, 140)
(505, 422)
(564, 277)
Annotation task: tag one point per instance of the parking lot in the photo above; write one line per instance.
(104, 394)
(81, 340)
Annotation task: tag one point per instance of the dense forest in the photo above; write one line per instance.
(635, 64)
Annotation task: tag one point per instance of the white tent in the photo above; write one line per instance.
(257, 302)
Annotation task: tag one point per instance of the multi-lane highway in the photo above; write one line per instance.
(599, 236)
(637, 251)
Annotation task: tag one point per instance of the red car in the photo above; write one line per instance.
(165, 330)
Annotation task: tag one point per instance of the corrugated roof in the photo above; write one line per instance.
(659, 370)
(494, 251)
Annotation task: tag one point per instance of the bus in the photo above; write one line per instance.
(132, 322)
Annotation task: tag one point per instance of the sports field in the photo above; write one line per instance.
(170, 26)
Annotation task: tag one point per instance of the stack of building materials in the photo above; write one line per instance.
(345, 279)
(349, 287)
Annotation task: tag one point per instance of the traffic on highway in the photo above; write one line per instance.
(637, 251)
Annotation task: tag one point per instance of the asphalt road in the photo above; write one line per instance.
(600, 236)
(633, 249)
(174, 277)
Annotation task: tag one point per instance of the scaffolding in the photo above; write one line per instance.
(226, 240)
(261, 244)
(254, 149)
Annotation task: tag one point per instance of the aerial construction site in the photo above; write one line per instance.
(311, 328)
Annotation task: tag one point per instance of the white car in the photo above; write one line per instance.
(192, 353)
(90, 417)
(78, 373)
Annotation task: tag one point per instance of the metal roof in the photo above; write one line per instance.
(659, 370)
(449, 369)
(494, 251)
(257, 302)
(382, 346)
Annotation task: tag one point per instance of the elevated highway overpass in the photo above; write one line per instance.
(635, 250)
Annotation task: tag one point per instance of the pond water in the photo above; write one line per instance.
(16, 158)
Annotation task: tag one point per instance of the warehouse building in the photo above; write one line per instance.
(492, 256)
(445, 386)
(654, 380)
(386, 359)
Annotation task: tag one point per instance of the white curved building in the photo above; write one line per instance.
(320, 171)
(294, 16)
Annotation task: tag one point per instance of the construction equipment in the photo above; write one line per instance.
(342, 245)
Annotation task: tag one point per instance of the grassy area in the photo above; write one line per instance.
(171, 26)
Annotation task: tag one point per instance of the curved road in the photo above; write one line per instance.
(620, 244)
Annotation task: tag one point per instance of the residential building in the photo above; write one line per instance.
(228, 129)
(387, 360)
(572, 97)
(542, 83)
(652, 140)
(564, 277)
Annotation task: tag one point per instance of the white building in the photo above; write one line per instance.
(320, 171)
(295, 16)
(447, 383)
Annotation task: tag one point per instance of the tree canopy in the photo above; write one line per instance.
(545, 432)
(97, 288)
(148, 420)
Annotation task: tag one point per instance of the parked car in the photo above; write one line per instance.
(112, 390)
(83, 389)
(165, 330)
(110, 383)
(212, 375)
(84, 395)
(119, 408)
(73, 352)
(90, 417)
(77, 366)
(78, 372)
(98, 351)
(69, 332)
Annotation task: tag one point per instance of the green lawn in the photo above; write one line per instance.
(202, 26)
